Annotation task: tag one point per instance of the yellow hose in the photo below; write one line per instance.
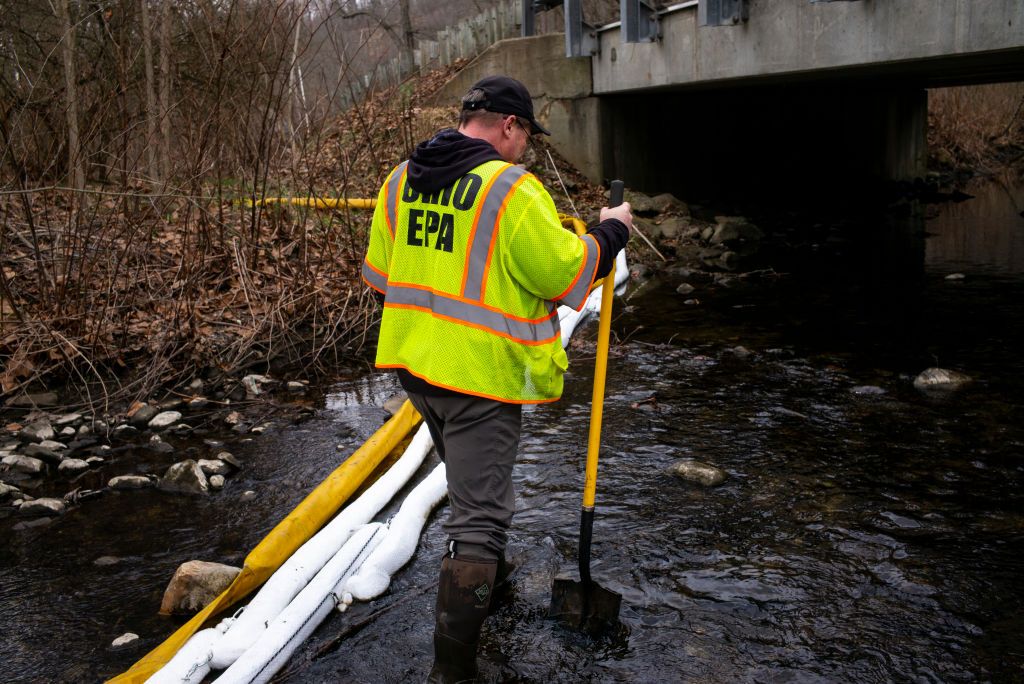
(316, 202)
(291, 533)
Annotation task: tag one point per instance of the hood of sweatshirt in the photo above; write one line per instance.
(448, 156)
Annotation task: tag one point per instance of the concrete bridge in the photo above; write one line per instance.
(799, 91)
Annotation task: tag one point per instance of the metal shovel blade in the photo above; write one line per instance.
(585, 606)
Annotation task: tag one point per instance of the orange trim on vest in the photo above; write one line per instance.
(462, 391)
(376, 270)
(372, 286)
(586, 250)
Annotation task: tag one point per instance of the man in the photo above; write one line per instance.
(472, 260)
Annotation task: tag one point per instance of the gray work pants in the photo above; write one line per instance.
(477, 439)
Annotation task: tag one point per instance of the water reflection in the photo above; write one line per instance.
(984, 234)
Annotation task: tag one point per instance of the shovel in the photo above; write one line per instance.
(586, 605)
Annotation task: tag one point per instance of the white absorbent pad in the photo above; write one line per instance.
(306, 611)
(403, 534)
(308, 559)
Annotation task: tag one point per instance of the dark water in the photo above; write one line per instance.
(863, 535)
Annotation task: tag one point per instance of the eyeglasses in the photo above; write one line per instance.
(529, 136)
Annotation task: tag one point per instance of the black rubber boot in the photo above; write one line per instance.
(502, 586)
(463, 595)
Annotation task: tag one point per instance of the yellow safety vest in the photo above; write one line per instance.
(472, 276)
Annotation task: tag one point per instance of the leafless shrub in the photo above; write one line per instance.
(164, 264)
(969, 125)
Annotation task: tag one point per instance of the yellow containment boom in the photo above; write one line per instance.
(315, 202)
(291, 533)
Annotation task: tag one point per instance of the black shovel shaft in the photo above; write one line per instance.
(586, 604)
(586, 534)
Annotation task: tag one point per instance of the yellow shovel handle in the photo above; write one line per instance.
(604, 329)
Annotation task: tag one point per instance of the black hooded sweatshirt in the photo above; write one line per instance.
(439, 162)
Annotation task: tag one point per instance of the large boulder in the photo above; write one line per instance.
(43, 454)
(941, 378)
(185, 477)
(667, 202)
(159, 446)
(165, 419)
(393, 403)
(140, 413)
(214, 466)
(72, 466)
(42, 507)
(37, 432)
(8, 491)
(695, 471)
(24, 464)
(69, 420)
(640, 203)
(194, 585)
(230, 459)
(658, 204)
(669, 229)
(130, 482)
(732, 230)
(124, 641)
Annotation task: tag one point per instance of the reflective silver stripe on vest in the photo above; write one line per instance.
(473, 314)
(575, 297)
(487, 229)
(393, 188)
(374, 279)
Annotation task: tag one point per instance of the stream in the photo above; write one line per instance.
(867, 531)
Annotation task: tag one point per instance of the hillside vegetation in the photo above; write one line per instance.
(115, 293)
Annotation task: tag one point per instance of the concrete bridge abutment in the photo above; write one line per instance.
(722, 140)
(762, 140)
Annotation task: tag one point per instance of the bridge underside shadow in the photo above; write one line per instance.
(822, 140)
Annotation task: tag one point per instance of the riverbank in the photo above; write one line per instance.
(976, 130)
(108, 298)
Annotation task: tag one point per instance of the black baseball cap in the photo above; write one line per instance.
(504, 95)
